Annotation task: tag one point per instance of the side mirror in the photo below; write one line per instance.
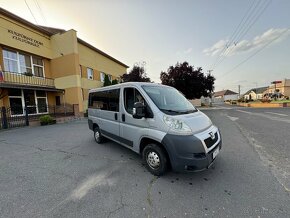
(139, 110)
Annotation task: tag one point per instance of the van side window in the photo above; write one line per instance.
(131, 96)
(105, 100)
(114, 96)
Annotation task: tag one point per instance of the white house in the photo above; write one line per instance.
(225, 95)
(255, 94)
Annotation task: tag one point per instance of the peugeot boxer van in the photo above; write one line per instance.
(156, 121)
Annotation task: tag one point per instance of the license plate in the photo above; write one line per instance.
(215, 153)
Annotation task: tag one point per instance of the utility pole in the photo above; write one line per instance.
(239, 88)
(209, 71)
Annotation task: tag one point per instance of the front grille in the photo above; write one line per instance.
(210, 142)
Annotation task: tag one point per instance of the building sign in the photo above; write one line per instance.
(23, 38)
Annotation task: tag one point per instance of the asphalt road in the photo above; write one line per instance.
(59, 171)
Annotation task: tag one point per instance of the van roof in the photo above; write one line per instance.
(137, 84)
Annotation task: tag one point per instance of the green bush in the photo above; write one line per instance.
(46, 119)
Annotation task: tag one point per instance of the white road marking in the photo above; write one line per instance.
(283, 115)
(247, 112)
(286, 120)
(233, 118)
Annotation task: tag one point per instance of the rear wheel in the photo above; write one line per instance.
(98, 136)
(155, 159)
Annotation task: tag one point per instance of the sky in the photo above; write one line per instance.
(241, 42)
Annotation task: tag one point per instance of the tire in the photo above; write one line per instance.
(98, 136)
(155, 159)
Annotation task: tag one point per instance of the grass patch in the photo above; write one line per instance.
(281, 101)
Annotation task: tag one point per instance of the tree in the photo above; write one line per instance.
(107, 81)
(191, 82)
(114, 82)
(137, 74)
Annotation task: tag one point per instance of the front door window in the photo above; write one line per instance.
(131, 96)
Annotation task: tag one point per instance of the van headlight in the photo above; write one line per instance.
(177, 127)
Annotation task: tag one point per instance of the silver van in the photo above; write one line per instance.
(156, 121)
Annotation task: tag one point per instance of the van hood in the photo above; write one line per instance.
(197, 121)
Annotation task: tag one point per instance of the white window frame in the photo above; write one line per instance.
(22, 101)
(18, 62)
(102, 76)
(10, 59)
(110, 77)
(32, 64)
(19, 67)
(36, 101)
(90, 70)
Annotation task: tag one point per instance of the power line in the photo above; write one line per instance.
(30, 12)
(248, 23)
(254, 20)
(40, 11)
(255, 53)
(233, 35)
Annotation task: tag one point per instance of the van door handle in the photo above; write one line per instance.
(123, 117)
(116, 116)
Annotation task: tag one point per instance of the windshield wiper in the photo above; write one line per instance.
(172, 111)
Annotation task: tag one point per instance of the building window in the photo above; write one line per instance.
(110, 77)
(38, 66)
(35, 101)
(102, 76)
(57, 100)
(16, 62)
(10, 61)
(25, 64)
(41, 101)
(90, 73)
(16, 101)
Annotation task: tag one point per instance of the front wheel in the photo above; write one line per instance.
(98, 136)
(155, 159)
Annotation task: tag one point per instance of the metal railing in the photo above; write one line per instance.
(18, 116)
(22, 79)
(52, 110)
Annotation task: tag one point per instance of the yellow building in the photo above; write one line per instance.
(44, 66)
(282, 87)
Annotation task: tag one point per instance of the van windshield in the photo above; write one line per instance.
(169, 100)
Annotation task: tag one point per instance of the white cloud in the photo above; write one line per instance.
(245, 45)
(217, 47)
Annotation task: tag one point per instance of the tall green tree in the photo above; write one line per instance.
(136, 74)
(193, 83)
(107, 81)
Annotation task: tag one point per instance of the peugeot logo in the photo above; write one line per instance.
(212, 136)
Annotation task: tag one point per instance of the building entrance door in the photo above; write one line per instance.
(29, 100)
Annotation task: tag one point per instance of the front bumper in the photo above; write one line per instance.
(189, 153)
